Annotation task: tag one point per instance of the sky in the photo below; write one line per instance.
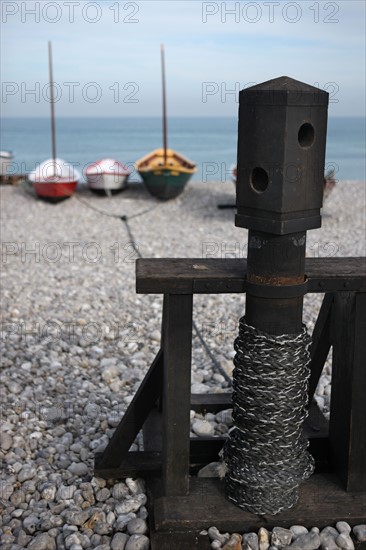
(106, 55)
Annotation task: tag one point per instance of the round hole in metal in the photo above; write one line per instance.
(259, 179)
(306, 135)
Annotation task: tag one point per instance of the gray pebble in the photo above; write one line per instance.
(30, 524)
(23, 538)
(281, 537)
(72, 539)
(6, 441)
(6, 540)
(213, 469)
(27, 472)
(225, 417)
(330, 531)
(102, 528)
(344, 541)
(49, 492)
(78, 469)
(135, 486)
(215, 534)
(327, 541)
(360, 532)
(202, 428)
(122, 521)
(17, 498)
(75, 517)
(65, 492)
(110, 373)
(95, 540)
(137, 526)
(131, 505)
(307, 541)
(250, 541)
(119, 541)
(103, 494)
(42, 542)
(298, 530)
(138, 542)
(119, 491)
(343, 527)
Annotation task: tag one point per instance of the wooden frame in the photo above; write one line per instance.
(180, 506)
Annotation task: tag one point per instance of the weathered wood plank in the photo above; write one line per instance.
(211, 402)
(322, 502)
(177, 345)
(347, 431)
(179, 540)
(133, 464)
(149, 391)
(321, 343)
(203, 450)
(216, 275)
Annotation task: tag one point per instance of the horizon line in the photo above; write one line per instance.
(151, 116)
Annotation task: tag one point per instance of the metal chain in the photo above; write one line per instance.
(266, 455)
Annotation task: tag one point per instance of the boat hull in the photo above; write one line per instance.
(6, 159)
(107, 182)
(54, 191)
(163, 184)
(165, 173)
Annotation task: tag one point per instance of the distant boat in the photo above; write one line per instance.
(164, 171)
(5, 160)
(107, 175)
(54, 179)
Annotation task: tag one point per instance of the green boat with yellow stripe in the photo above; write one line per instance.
(164, 171)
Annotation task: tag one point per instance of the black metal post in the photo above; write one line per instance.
(281, 150)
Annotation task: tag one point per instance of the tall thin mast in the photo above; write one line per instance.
(53, 128)
(164, 103)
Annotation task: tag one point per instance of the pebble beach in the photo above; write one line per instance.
(77, 340)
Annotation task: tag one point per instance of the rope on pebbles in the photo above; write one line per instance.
(266, 455)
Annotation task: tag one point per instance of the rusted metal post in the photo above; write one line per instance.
(281, 152)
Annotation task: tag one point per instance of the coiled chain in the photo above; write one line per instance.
(266, 455)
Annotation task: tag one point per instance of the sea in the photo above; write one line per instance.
(210, 142)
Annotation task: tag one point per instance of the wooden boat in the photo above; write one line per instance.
(164, 171)
(6, 158)
(54, 179)
(107, 175)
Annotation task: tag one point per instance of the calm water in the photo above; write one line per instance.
(209, 142)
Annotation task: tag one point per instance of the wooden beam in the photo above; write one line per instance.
(321, 343)
(177, 345)
(203, 450)
(134, 418)
(216, 275)
(322, 502)
(347, 431)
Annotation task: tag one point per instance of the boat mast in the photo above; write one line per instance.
(164, 103)
(53, 128)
